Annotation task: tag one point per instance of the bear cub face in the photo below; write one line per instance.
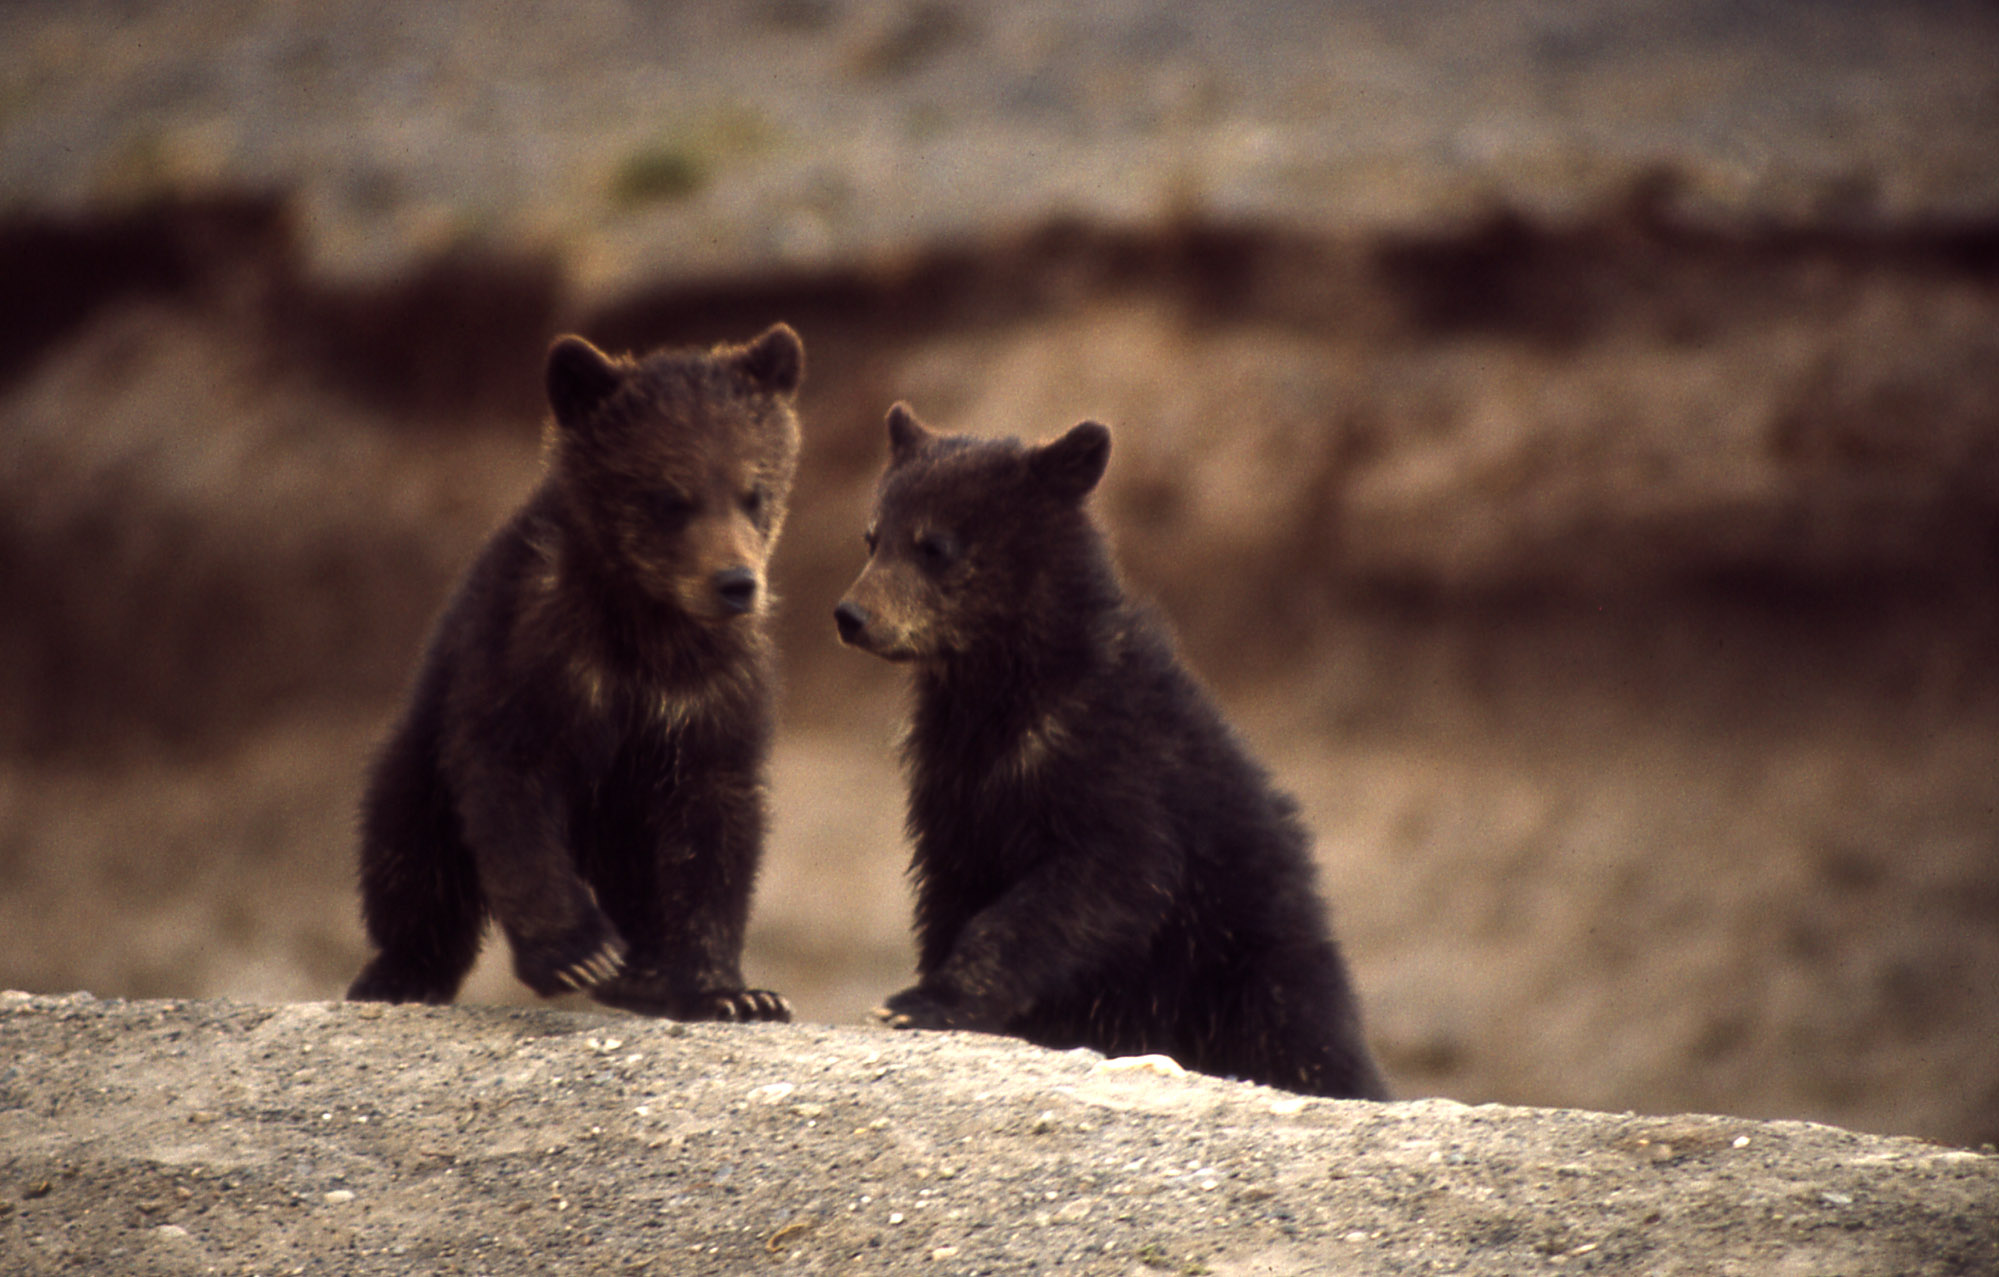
(967, 539)
(683, 518)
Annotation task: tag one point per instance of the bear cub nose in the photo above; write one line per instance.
(737, 588)
(851, 621)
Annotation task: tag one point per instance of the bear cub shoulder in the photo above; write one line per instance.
(1098, 861)
(582, 756)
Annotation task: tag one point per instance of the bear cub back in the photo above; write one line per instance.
(1098, 861)
(582, 757)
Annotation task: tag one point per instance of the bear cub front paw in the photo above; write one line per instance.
(650, 992)
(749, 1004)
(590, 954)
(918, 1007)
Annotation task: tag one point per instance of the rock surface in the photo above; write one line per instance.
(219, 1137)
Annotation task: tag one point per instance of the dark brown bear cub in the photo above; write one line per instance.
(1097, 860)
(582, 758)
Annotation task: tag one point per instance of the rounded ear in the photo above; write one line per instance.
(775, 362)
(580, 377)
(1070, 466)
(906, 435)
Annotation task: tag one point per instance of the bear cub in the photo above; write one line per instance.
(1097, 860)
(582, 757)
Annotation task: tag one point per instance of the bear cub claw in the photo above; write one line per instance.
(590, 956)
(750, 1004)
(649, 993)
(919, 1008)
(596, 969)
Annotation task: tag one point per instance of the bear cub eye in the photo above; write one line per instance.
(936, 551)
(753, 504)
(669, 507)
(871, 538)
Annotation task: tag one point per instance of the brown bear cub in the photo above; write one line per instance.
(1097, 860)
(582, 758)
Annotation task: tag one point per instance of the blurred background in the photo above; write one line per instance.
(1566, 436)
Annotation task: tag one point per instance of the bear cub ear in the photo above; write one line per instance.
(906, 435)
(1070, 467)
(775, 362)
(580, 377)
